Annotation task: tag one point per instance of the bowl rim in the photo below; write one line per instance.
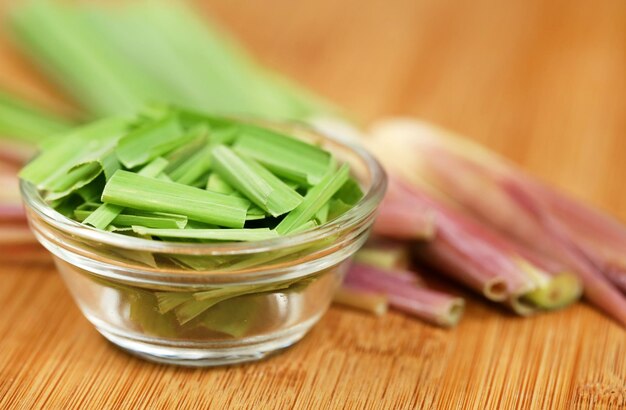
(360, 211)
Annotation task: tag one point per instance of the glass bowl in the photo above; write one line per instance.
(209, 304)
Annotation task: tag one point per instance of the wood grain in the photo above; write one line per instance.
(540, 81)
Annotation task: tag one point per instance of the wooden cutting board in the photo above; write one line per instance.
(541, 82)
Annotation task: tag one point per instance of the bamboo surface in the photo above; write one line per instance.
(542, 82)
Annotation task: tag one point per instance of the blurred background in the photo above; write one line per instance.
(541, 82)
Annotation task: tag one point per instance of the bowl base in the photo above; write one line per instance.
(211, 354)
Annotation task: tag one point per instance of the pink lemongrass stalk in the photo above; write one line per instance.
(398, 221)
(11, 213)
(385, 254)
(465, 250)
(372, 302)
(435, 307)
(502, 196)
(15, 153)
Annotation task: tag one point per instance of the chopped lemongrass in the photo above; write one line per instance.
(122, 221)
(253, 234)
(350, 193)
(195, 167)
(373, 302)
(107, 213)
(257, 183)
(169, 300)
(435, 307)
(152, 140)
(286, 157)
(385, 256)
(322, 215)
(80, 154)
(149, 194)
(215, 183)
(314, 200)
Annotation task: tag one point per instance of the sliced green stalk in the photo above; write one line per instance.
(314, 200)
(322, 215)
(217, 184)
(84, 146)
(150, 141)
(121, 221)
(107, 213)
(195, 167)
(337, 208)
(255, 182)
(561, 291)
(350, 193)
(149, 194)
(368, 301)
(285, 156)
(167, 301)
(244, 235)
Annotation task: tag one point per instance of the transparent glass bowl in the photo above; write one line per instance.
(209, 304)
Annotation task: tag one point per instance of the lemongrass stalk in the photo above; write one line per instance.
(465, 250)
(432, 306)
(384, 254)
(401, 221)
(371, 302)
(11, 213)
(148, 194)
(501, 196)
(394, 275)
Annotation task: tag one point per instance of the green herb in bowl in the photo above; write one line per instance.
(201, 240)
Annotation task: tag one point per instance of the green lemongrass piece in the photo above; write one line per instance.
(89, 206)
(198, 262)
(167, 301)
(22, 121)
(193, 308)
(242, 235)
(81, 147)
(75, 179)
(91, 192)
(107, 213)
(314, 200)
(216, 183)
(255, 214)
(126, 222)
(180, 155)
(150, 194)
(306, 227)
(337, 207)
(192, 169)
(388, 258)
(154, 168)
(233, 317)
(350, 193)
(255, 182)
(375, 303)
(143, 313)
(561, 291)
(322, 215)
(285, 156)
(213, 296)
(150, 141)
